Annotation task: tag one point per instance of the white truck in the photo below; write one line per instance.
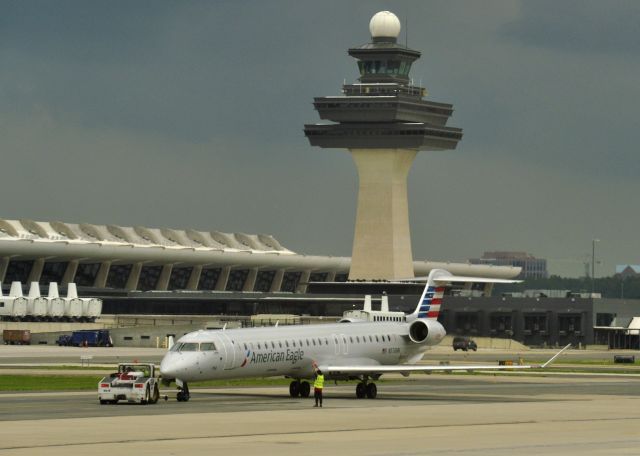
(134, 382)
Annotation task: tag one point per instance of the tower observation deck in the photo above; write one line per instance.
(384, 121)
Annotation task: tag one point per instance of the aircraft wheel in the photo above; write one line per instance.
(305, 389)
(361, 390)
(372, 391)
(294, 388)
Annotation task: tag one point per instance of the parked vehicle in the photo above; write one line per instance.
(464, 343)
(134, 382)
(64, 340)
(91, 338)
(16, 336)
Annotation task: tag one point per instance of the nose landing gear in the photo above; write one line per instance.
(183, 393)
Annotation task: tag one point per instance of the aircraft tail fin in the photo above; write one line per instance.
(437, 282)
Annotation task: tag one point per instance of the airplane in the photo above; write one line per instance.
(349, 350)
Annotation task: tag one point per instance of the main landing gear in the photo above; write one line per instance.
(183, 393)
(298, 388)
(364, 389)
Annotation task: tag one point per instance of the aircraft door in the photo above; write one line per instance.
(232, 352)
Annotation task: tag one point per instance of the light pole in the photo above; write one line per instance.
(593, 265)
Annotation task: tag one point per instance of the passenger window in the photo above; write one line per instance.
(259, 346)
(273, 345)
(294, 343)
(326, 341)
(314, 341)
(351, 339)
(286, 342)
(307, 342)
(377, 339)
(245, 346)
(280, 343)
(358, 339)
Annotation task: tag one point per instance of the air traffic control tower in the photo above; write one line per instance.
(384, 121)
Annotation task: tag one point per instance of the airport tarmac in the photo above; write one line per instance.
(448, 414)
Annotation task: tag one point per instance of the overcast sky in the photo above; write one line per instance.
(190, 114)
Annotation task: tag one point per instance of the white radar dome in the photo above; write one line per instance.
(384, 24)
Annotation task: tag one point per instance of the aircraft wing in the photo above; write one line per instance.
(406, 369)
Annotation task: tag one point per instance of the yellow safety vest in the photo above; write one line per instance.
(319, 381)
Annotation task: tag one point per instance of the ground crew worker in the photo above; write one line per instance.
(318, 384)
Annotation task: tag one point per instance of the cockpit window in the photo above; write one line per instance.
(207, 346)
(189, 347)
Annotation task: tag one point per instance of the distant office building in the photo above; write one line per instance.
(628, 270)
(532, 267)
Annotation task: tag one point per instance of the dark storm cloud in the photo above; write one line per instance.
(190, 114)
(579, 26)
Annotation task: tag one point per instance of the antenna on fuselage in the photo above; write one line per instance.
(277, 321)
(384, 302)
(367, 303)
(225, 326)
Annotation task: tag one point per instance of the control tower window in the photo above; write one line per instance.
(390, 67)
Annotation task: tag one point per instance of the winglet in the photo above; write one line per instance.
(555, 356)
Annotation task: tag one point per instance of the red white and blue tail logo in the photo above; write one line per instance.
(430, 303)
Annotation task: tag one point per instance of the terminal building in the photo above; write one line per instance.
(110, 257)
(152, 271)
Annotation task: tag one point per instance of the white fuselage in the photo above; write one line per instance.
(289, 351)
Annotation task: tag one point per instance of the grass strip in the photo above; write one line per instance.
(48, 383)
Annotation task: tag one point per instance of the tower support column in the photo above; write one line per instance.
(382, 240)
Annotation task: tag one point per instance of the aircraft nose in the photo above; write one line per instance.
(169, 366)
